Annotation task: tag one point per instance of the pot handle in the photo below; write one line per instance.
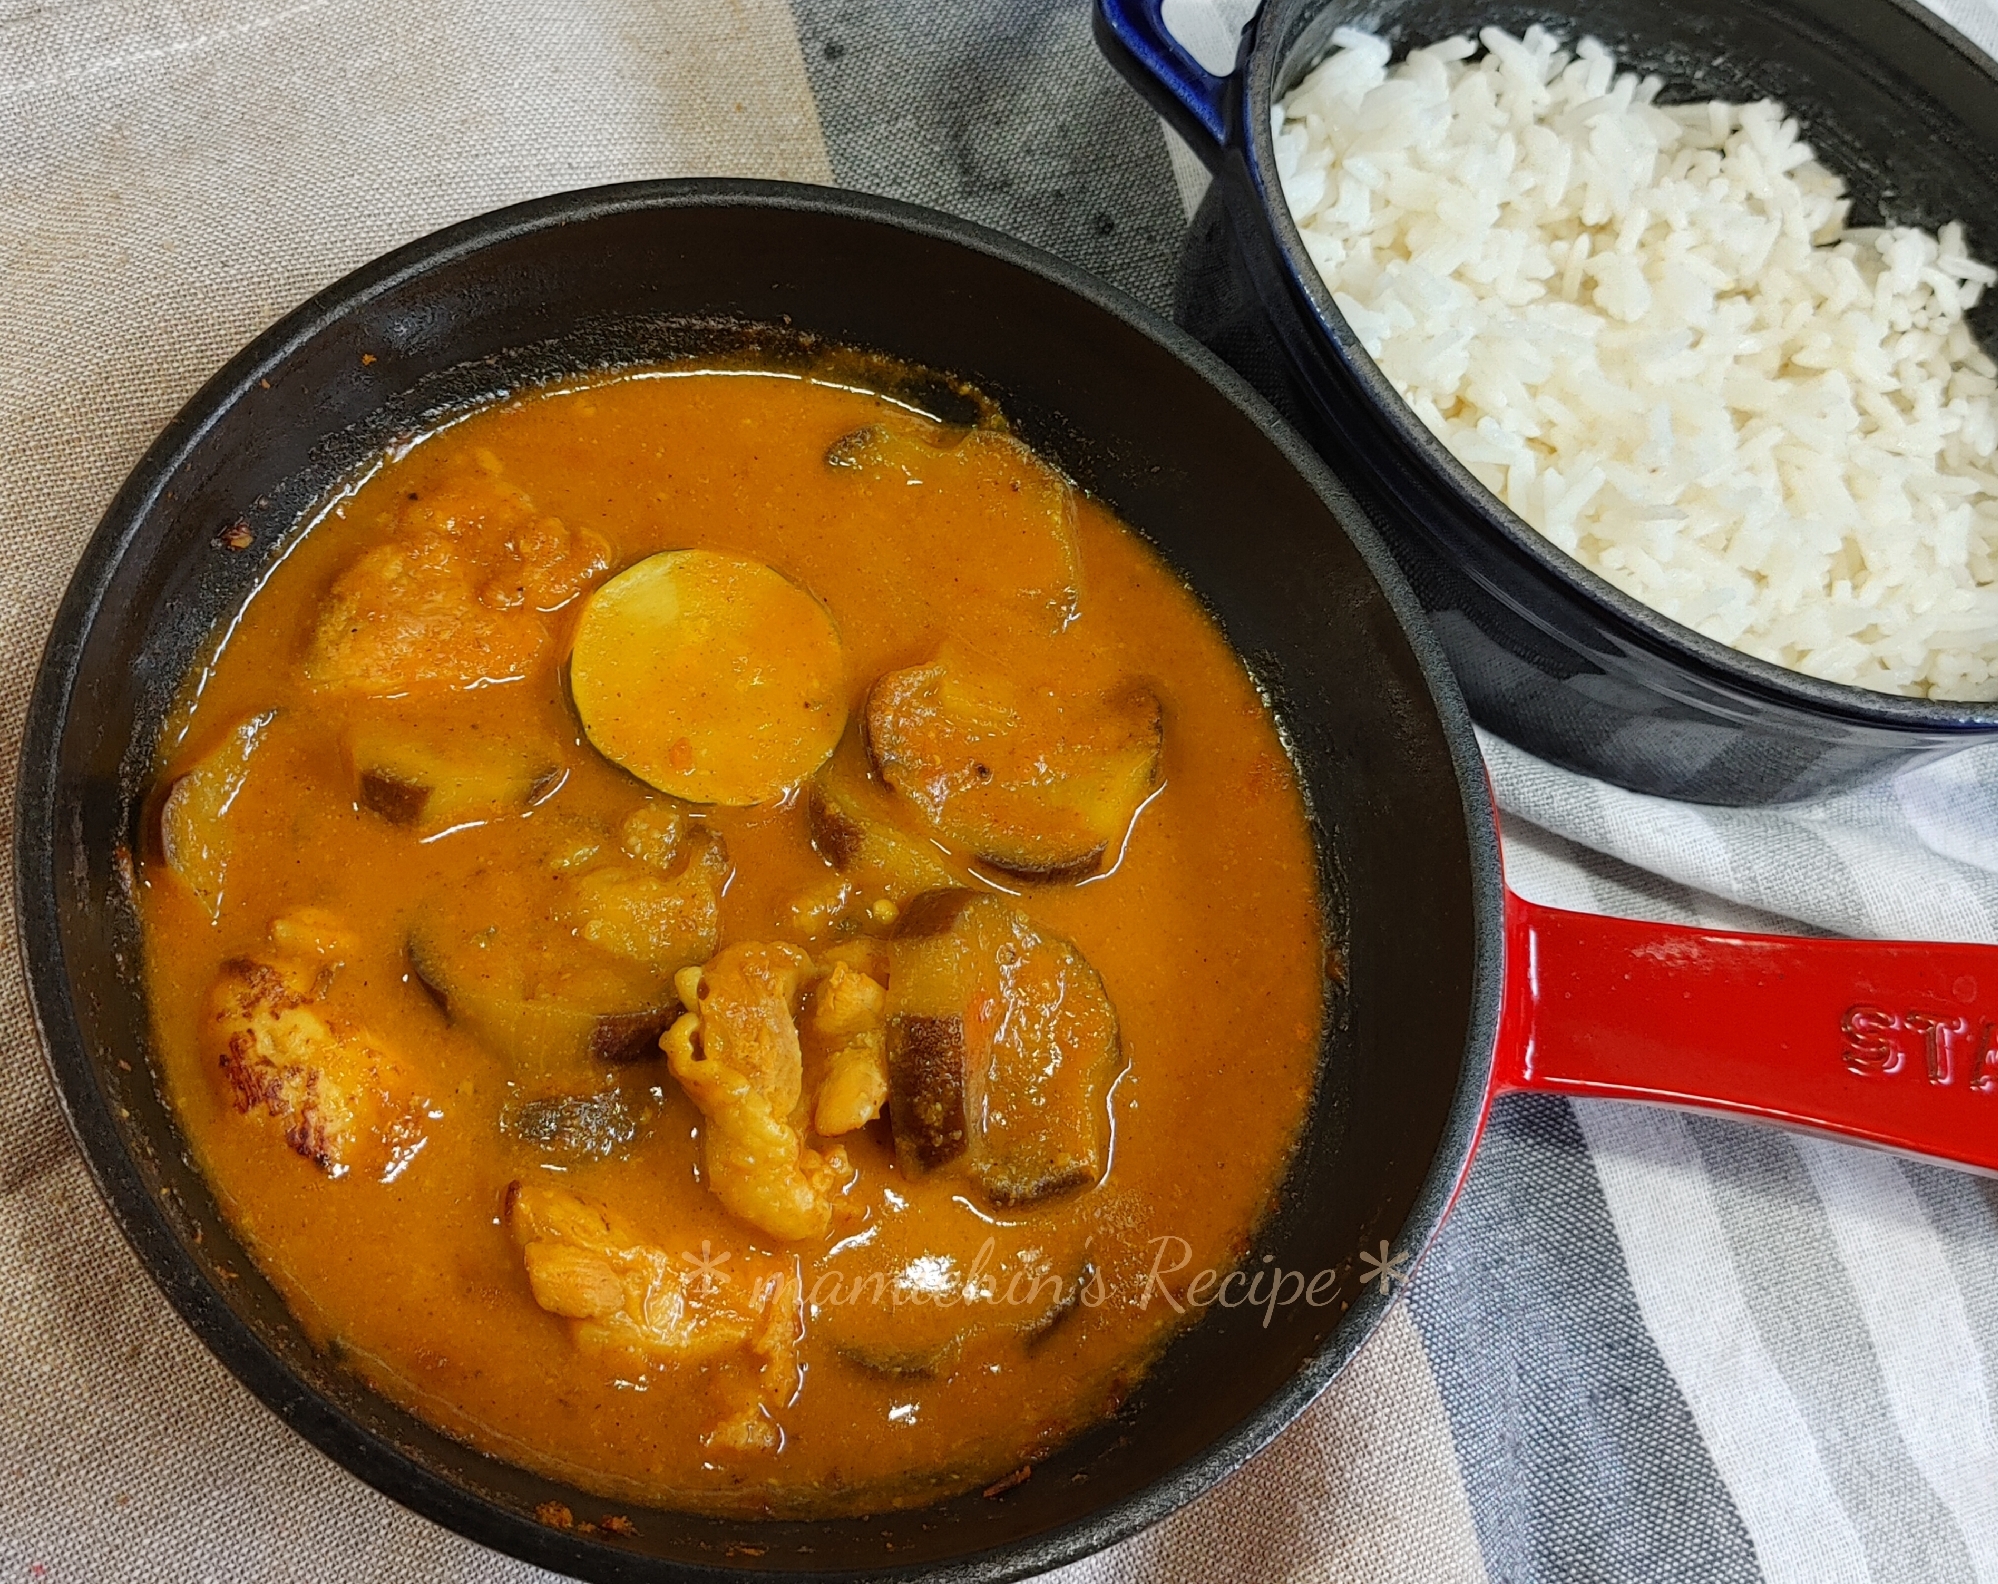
(1892, 1043)
(1133, 35)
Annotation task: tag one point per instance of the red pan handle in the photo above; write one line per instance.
(1892, 1043)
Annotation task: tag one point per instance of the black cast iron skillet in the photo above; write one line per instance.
(1138, 414)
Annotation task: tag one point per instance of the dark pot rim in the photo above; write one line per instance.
(1633, 622)
(140, 1212)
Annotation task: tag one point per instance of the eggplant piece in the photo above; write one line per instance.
(573, 1127)
(531, 992)
(195, 838)
(879, 1321)
(709, 676)
(1030, 781)
(1019, 537)
(566, 843)
(1002, 1046)
(890, 1363)
(851, 818)
(598, 1017)
(1034, 1335)
(435, 787)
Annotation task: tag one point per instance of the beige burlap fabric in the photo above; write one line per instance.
(174, 176)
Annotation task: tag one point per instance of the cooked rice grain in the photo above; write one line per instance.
(1648, 331)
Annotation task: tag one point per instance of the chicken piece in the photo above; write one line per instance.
(662, 921)
(195, 834)
(855, 1086)
(849, 1020)
(342, 1101)
(624, 1292)
(1034, 781)
(747, 1001)
(736, 1054)
(864, 954)
(657, 832)
(820, 909)
(747, 1429)
(456, 597)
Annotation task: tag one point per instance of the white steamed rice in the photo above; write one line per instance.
(1646, 329)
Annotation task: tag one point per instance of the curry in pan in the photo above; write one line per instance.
(703, 925)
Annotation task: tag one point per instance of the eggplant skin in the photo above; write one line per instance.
(1080, 867)
(1035, 1335)
(926, 1061)
(934, 913)
(573, 1126)
(397, 801)
(900, 1364)
(836, 836)
(624, 1037)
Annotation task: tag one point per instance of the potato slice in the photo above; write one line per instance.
(709, 676)
(1002, 1045)
(1031, 781)
(195, 838)
(435, 787)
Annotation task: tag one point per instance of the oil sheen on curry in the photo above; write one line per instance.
(703, 924)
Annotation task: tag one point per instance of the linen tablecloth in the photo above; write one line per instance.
(1646, 1347)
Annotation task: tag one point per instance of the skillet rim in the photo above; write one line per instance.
(88, 1108)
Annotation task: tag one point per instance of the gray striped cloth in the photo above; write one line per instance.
(1646, 1347)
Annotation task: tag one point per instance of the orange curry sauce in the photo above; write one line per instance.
(977, 1352)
